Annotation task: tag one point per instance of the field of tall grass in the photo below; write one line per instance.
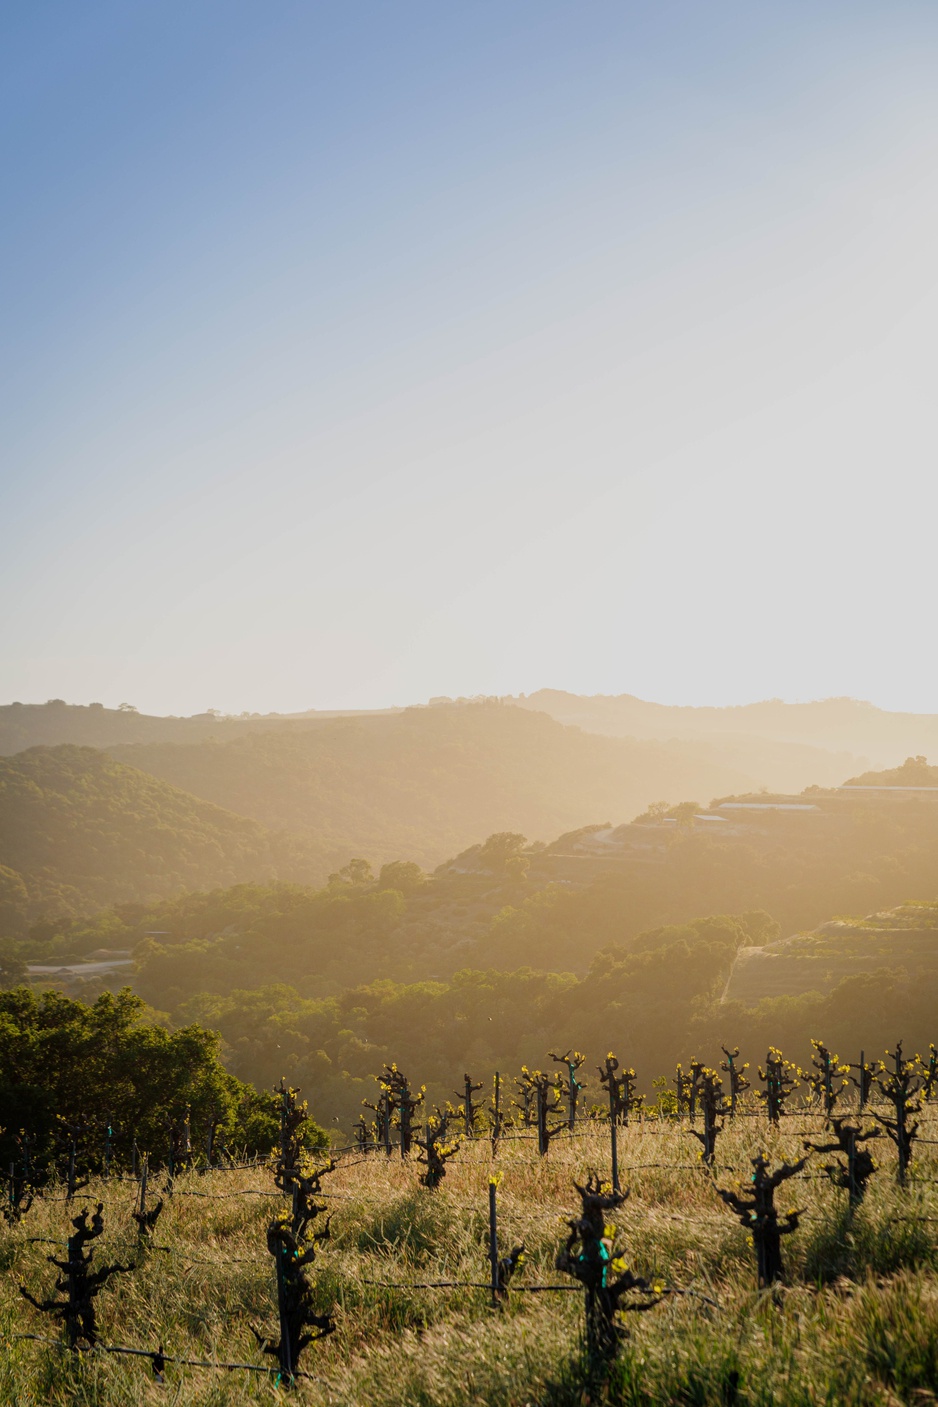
(856, 1321)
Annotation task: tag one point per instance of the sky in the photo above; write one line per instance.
(354, 354)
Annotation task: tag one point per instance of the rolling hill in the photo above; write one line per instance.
(79, 830)
(426, 782)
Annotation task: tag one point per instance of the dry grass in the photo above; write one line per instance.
(857, 1322)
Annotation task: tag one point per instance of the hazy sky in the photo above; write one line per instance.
(354, 353)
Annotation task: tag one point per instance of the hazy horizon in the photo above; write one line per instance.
(358, 355)
(273, 711)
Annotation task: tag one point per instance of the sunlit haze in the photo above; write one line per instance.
(355, 354)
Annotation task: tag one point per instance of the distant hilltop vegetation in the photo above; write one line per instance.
(93, 725)
(914, 775)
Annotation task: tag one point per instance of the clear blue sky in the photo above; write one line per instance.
(357, 353)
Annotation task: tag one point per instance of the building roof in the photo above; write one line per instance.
(767, 806)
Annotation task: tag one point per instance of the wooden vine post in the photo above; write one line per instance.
(620, 1088)
(145, 1217)
(501, 1268)
(108, 1143)
(24, 1143)
(469, 1108)
(215, 1122)
(493, 1233)
(547, 1099)
(386, 1130)
(608, 1077)
(497, 1120)
(73, 1133)
(19, 1197)
(179, 1136)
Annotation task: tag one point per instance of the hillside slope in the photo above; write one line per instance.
(427, 782)
(914, 772)
(79, 830)
(788, 745)
(91, 725)
(903, 938)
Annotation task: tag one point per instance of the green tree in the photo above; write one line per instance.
(90, 1066)
(12, 962)
(403, 875)
(500, 851)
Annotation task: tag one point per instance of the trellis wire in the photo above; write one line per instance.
(156, 1357)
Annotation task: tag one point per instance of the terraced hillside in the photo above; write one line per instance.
(902, 939)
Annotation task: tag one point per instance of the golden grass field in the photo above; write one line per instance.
(856, 1322)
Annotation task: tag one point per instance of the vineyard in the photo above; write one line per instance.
(749, 1235)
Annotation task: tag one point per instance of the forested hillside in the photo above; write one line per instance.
(641, 933)
(914, 772)
(656, 1000)
(510, 946)
(79, 830)
(427, 782)
(655, 997)
(93, 725)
